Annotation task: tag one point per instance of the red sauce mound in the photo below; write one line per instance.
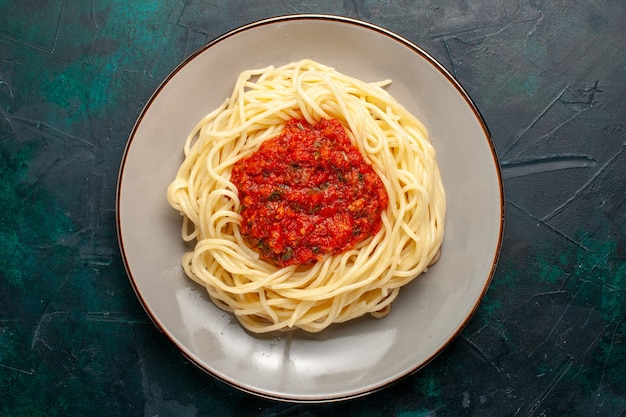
(307, 192)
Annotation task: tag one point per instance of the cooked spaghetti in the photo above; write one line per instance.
(363, 276)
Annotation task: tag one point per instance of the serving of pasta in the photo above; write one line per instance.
(336, 283)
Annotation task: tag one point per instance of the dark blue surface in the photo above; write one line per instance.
(549, 338)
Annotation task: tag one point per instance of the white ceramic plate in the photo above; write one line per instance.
(346, 360)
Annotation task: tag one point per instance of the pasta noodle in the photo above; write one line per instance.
(340, 287)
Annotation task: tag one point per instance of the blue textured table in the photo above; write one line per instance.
(549, 337)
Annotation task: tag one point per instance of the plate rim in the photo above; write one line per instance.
(343, 20)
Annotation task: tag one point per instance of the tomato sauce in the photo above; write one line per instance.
(307, 192)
